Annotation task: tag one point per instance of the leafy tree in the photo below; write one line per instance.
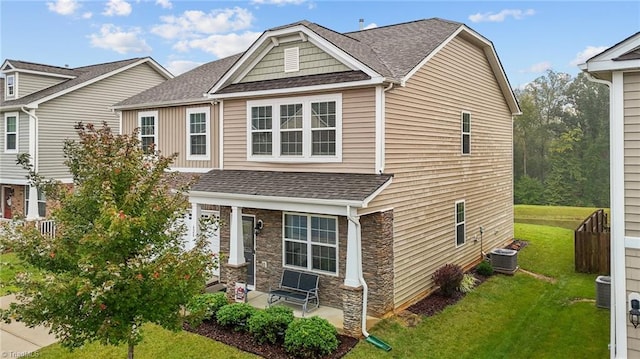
(118, 259)
(528, 190)
(565, 183)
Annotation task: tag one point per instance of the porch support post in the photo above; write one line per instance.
(196, 213)
(32, 210)
(236, 245)
(352, 278)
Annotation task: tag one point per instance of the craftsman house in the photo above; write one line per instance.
(39, 106)
(619, 68)
(371, 158)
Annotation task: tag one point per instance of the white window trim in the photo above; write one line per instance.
(306, 130)
(153, 114)
(17, 133)
(15, 86)
(462, 133)
(456, 224)
(309, 244)
(292, 59)
(207, 155)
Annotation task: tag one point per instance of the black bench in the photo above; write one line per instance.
(296, 287)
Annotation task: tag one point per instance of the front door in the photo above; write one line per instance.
(6, 202)
(249, 240)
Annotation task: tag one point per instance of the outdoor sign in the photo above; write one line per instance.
(241, 292)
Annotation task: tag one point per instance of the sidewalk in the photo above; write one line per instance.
(18, 340)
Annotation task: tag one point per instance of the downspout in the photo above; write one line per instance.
(615, 272)
(33, 152)
(33, 145)
(365, 288)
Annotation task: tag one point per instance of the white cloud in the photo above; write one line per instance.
(117, 8)
(63, 7)
(278, 2)
(194, 23)
(538, 68)
(502, 15)
(178, 67)
(114, 38)
(586, 54)
(373, 25)
(220, 45)
(87, 15)
(166, 4)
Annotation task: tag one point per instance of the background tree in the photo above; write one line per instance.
(117, 260)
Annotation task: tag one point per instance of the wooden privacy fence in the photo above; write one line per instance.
(593, 244)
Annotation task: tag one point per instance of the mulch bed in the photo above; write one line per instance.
(244, 341)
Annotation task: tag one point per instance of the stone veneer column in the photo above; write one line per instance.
(352, 309)
(232, 274)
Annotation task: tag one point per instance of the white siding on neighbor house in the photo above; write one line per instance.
(632, 153)
(88, 104)
(423, 151)
(358, 137)
(9, 170)
(30, 83)
(172, 133)
(632, 259)
(313, 61)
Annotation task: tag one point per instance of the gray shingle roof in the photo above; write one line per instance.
(327, 186)
(629, 55)
(191, 85)
(83, 74)
(292, 82)
(31, 66)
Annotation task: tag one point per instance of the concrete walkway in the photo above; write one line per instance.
(18, 340)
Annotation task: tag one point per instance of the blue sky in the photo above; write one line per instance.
(530, 37)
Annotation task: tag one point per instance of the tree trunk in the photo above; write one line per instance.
(524, 157)
(130, 355)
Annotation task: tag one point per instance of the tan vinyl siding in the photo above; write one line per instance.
(632, 259)
(358, 137)
(172, 133)
(91, 103)
(632, 153)
(30, 83)
(423, 151)
(313, 61)
(11, 171)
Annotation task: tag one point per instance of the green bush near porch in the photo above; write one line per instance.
(516, 316)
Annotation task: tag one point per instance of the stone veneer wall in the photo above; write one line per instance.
(377, 266)
(377, 242)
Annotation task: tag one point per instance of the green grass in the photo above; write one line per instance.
(157, 343)
(511, 317)
(10, 265)
(554, 216)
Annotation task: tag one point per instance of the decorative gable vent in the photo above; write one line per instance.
(291, 59)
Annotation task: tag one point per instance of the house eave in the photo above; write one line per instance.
(153, 104)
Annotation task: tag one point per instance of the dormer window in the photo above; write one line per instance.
(292, 59)
(11, 85)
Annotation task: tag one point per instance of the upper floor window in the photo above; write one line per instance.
(198, 133)
(148, 125)
(11, 85)
(305, 129)
(460, 224)
(311, 242)
(466, 133)
(11, 132)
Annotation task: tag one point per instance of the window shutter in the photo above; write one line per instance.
(291, 59)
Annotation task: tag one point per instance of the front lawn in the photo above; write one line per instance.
(10, 265)
(511, 317)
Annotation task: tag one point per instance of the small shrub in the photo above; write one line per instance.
(205, 306)
(468, 283)
(311, 338)
(485, 268)
(266, 325)
(235, 315)
(448, 277)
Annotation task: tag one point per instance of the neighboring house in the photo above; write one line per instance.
(619, 68)
(371, 158)
(39, 106)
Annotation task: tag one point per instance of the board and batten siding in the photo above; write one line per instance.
(632, 153)
(30, 83)
(423, 151)
(312, 59)
(90, 104)
(358, 137)
(632, 259)
(172, 133)
(9, 170)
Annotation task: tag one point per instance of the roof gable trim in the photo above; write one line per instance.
(617, 50)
